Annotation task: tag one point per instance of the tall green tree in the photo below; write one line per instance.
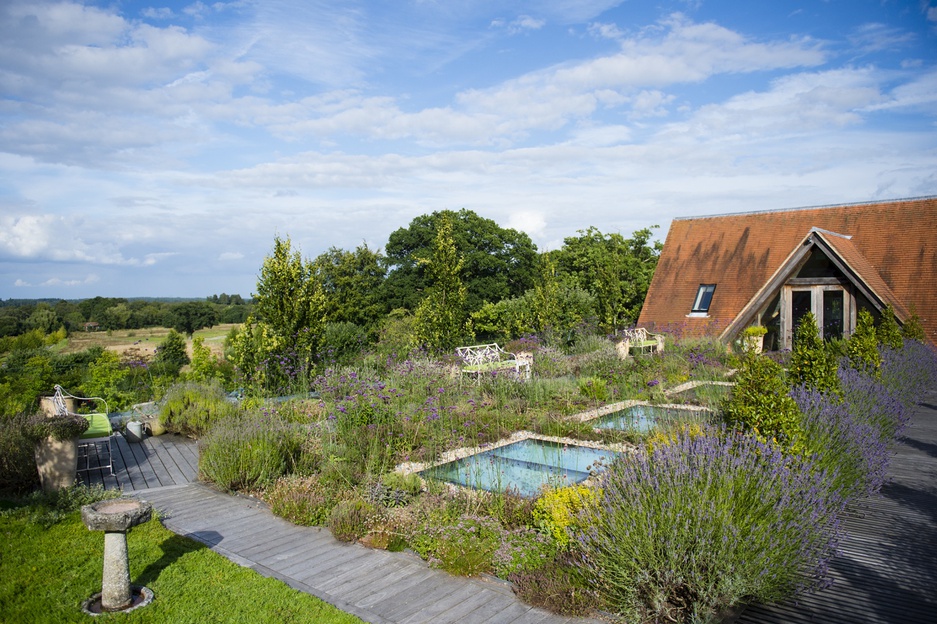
(615, 269)
(351, 284)
(281, 335)
(497, 263)
(191, 316)
(440, 319)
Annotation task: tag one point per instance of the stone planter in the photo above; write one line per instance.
(753, 344)
(57, 463)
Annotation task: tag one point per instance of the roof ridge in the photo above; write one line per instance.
(818, 207)
(830, 232)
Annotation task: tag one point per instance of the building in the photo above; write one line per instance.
(719, 274)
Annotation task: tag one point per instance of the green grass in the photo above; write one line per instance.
(46, 574)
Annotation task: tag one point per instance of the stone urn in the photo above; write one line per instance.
(115, 517)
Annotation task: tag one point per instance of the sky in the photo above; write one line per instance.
(157, 149)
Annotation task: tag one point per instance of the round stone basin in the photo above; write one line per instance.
(116, 515)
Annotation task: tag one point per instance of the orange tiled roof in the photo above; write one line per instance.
(740, 253)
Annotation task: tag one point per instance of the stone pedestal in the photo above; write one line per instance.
(57, 463)
(115, 517)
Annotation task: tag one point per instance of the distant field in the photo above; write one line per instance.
(143, 341)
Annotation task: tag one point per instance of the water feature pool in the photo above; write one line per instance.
(525, 466)
(643, 418)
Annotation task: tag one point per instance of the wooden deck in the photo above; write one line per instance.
(155, 462)
(887, 572)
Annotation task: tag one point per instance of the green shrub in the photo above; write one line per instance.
(306, 501)
(761, 403)
(594, 389)
(466, 548)
(17, 455)
(862, 346)
(559, 586)
(248, 451)
(912, 328)
(350, 520)
(888, 332)
(192, 408)
(557, 510)
(64, 427)
(812, 364)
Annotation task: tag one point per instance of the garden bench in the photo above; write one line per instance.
(490, 358)
(640, 341)
(96, 438)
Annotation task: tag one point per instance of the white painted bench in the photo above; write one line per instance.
(639, 340)
(490, 358)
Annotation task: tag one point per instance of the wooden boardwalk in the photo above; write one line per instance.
(375, 585)
(887, 572)
(155, 462)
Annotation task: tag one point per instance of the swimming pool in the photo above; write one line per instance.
(524, 466)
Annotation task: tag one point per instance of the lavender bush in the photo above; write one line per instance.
(704, 522)
(869, 400)
(851, 450)
(248, 451)
(910, 371)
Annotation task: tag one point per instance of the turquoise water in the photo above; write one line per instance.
(524, 466)
(643, 418)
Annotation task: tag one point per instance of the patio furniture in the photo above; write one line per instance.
(96, 441)
(641, 341)
(490, 358)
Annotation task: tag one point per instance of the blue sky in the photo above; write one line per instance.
(157, 149)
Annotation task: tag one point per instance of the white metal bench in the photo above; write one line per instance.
(639, 340)
(96, 440)
(490, 358)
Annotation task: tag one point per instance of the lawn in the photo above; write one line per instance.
(46, 572)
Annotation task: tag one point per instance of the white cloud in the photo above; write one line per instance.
(794, 105)
(229, 256)
(522, 23)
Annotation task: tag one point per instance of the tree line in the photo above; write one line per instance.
(448, 279)
(114, 313)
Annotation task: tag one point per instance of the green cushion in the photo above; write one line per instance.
(489, 366)
(100, 426)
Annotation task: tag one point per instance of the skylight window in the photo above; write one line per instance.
(704, 297)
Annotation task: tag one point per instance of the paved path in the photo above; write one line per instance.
(887, 572)
(375, 585)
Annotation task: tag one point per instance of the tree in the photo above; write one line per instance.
(171, 355)
(279, 339)
(351, 283)
(44, 318)
(812, 363)
(440, 319)
(497, 263)
(191, 316)
(616, 270)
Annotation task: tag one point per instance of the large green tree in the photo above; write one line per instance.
(497, 263)
(615, 269)
(440, 319)
(351, 284)
(191, 316)
(278, 341)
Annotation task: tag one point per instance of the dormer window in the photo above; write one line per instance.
(704, 297)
